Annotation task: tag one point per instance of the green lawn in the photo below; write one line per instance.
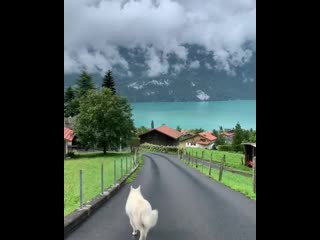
(232, 159)
(91, 166)
(237, 182)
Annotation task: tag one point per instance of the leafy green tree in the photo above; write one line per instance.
(104, 118)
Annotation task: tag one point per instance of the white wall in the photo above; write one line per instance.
(200, 146)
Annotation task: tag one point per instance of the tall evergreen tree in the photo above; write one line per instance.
(152, 125)
(71, 105)
(84, 84)
(69, 95)
(238, 138)
(108, 82)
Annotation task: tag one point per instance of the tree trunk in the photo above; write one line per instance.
(104, 148)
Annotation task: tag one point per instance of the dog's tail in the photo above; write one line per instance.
(150, 218)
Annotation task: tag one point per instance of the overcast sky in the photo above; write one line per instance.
(94, 29)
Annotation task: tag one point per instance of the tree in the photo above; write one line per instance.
(238, 138)
(104, 118)
(152, 125)
(141, 130)
(245, 135)
(215, 133)
(108, 82)
(69, 94)
(221, 129)
(84, 84)
(196, 130)
(178, 128)
(252, 136)
(220, 140)
(71, 105)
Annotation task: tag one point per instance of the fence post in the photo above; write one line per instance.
(254, 174)
(202, 160)
(102, 179)
(81, 189)
(196, 159)
(242, 161)
(135, 157)
(126, 165)
(210, 165)
(132, 161)
(114, 171)
(121, 168)
(222, 167)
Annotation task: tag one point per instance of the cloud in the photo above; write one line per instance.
(94, 30)
(177, 68)
(195, 64)
(156, 64)
(208, 66)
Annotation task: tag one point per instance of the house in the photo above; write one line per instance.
(200, 140)
(68, 137)
(249, 153)
(228, 136)
(69, 122)
(186, 134)
(161, 136)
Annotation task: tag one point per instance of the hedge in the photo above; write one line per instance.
(158, 148)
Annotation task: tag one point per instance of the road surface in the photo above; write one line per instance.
(191, 207)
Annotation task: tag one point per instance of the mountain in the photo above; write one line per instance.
(198, 79)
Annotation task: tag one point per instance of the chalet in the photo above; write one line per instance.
(200, 140)
(228, 136)
(69, 122)
(186, 134)
(161, 136)
(68, 137)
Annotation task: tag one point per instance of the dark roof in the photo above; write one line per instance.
(249, 144)
(167, 131)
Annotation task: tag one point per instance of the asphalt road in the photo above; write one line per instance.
(190, 205)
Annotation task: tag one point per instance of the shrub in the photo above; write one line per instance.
(158, 148)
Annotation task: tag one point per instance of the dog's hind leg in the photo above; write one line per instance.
(134, 228)
(143, 234)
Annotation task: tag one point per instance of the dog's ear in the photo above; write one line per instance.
(131, 188)
(139, 187)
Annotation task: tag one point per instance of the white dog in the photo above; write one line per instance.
(140, 213)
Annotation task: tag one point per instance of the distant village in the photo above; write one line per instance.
(163, 135)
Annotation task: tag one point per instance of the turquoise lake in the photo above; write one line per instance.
(205, 115)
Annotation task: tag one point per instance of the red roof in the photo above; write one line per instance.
(68, 134)
(203, 143)
(208, 135)
(169, 131)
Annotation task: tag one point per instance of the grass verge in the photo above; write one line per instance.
(233, 160)
(91, 166)
(236, 182)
